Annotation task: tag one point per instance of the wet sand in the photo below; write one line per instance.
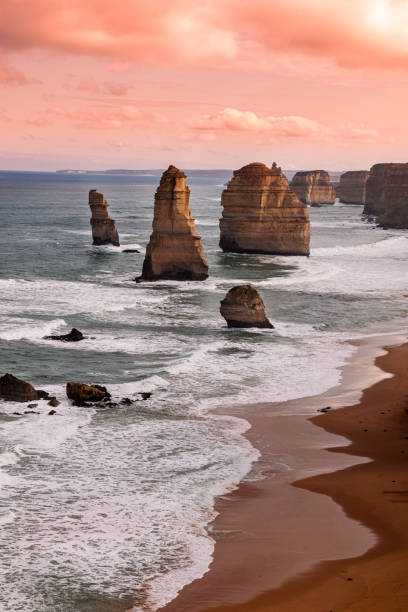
(321, 524)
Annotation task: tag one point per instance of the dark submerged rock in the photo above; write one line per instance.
(74, 336)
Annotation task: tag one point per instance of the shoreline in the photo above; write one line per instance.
(286, 530)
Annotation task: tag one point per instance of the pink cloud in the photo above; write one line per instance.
(103, 118)
(106, 87)
(352, 33)
(291, 126)
(11, 76)
(120, 67)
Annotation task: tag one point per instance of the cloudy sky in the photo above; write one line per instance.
(202, 83)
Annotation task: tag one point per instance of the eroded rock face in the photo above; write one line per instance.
(387, 195)
(103, 227)
(17, 390)
(396, 198)
(78, 392)
(261, 214)
(244, 307)
(175, 251)
(313, 187)
(352, 188)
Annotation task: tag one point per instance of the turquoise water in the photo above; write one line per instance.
(100, 504)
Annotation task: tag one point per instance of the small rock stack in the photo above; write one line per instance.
(103, 227)
(313, 187)
(243, 307)
(174, 251)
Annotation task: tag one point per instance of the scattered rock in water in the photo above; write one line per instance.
(18, 413)
(324, 409)
(54, 402)
(32, 406)
(104, 390)
(84, 395)
(130, 251)
(243, 307)
(16, 390)
(74, 336)
(145, 395)
(31, 412)
(126, 401)
(52, 412)
(42, 394)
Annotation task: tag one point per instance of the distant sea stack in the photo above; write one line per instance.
(261, 214)
(175, 251)
(352, 188)
(394, 197)
(103, 227)
(313, 187)
(243, 307)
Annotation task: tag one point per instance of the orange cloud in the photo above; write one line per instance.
(352, 33)
(291, 126)
(107, 87)
(11, 76)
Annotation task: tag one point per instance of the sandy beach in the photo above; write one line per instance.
(327, 528)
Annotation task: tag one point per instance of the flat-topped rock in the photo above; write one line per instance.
(313, 187)
(395, 214)
(261, 214)
(352, 188)
(103, 227)
(17, 390)
(243, 307)
(174, 251)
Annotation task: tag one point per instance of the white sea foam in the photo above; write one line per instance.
(19, 329)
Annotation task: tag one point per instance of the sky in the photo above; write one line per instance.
(99, 84)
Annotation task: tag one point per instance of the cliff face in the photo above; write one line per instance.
(313, 187)
(395, 198)
(244, 307)
(261, 214)
(376, 197)
(103, 227)
(175, 251)
(352, 188)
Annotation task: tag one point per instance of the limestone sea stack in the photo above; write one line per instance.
(103, 227)
(387, 195)
(244, 307)
(395, 214)
(313, 187)
(175, 251)
(352, 188)
(261, 214)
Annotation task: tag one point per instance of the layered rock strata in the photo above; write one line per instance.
(244, 307)
(352, 188)
(174, 251)
(387, 195)
(261, 214)
(103, 227)
(17, 390)
(313, 187)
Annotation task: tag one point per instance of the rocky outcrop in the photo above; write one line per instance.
(17, 390)
(313, 187)
(74, 336)
(352, 188)
(387, 195)
(103, 227)
(82, 394)
(244, 307)
(175, 251)
(261, 214)
(396, 198)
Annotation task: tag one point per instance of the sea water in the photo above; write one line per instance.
(100, 504)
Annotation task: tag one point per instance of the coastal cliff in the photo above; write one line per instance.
(174, 251)
(313, 187)
(352, 188)
(261, 214)
(387, 195)
(103, 227)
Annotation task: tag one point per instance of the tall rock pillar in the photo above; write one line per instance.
(174, 251)
(103, 227)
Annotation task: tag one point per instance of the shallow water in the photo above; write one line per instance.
(95, 505)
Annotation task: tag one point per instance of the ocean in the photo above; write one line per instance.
(96, 505)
